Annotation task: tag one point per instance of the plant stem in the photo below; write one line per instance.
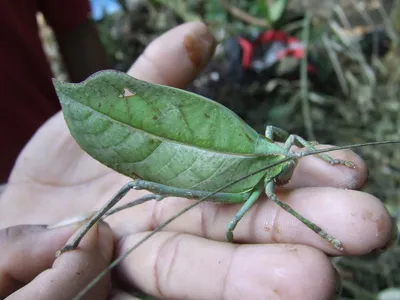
(304, 79)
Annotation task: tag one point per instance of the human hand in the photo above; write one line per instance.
(29, 270)
(54, 179)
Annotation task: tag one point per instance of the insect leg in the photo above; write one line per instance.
(292, 139)
(269, 190)
(244, 209)
(273, 133)
(135, 202)
(160, 192)
(104, 211)
(299, 141)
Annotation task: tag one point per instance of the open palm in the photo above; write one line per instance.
(54, 179)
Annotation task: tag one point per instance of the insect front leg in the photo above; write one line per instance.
(292, 139)
(270, 192)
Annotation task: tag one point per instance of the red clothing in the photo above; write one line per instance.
(27, 97)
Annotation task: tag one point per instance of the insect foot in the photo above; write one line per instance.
(229, 236)
(64, 249)
(346, 163)
(337, 244)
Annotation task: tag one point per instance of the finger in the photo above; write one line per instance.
(176, 57)
(359, 220)
(312, 171)
(69, 273)
(180, 266)
(27, 250)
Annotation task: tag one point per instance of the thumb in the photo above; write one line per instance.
(176, 57)
(29, 269)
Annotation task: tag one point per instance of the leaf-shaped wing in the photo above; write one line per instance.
(161, 134)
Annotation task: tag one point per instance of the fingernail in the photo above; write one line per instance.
(70, 221)
(210, 41)
(393, 237)
(200, 45)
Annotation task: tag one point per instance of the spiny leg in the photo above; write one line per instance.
(159, 190)
(269, 190)
(244, 209)
(292, 139)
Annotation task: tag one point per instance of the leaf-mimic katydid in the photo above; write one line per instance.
(175, 143)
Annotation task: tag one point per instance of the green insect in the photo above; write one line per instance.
(175, 143)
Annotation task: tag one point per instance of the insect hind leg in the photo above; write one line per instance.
(159, 191)
(106, 210)
(292, 139)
